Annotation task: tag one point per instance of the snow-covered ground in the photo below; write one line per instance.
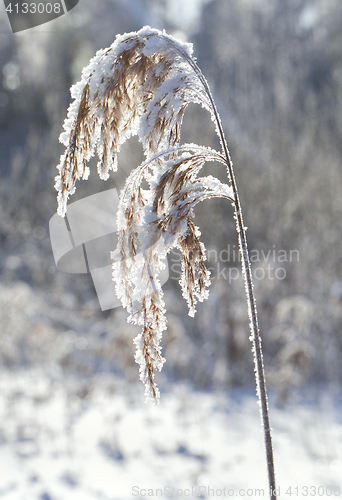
(61, 442)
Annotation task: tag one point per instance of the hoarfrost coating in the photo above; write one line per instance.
(141, 85)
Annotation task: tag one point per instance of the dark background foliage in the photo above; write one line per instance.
(275, 70)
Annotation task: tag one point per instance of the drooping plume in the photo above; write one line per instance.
(141, 85)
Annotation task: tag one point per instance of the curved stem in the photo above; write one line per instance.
(251, 303)
(256, 341)
(253, 318)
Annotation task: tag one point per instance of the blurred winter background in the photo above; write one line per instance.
(73, 422)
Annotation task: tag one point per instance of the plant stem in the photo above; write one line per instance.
(256, 349)
(251, 304)
(254, 327)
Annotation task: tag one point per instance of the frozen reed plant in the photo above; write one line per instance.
(141, 85)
